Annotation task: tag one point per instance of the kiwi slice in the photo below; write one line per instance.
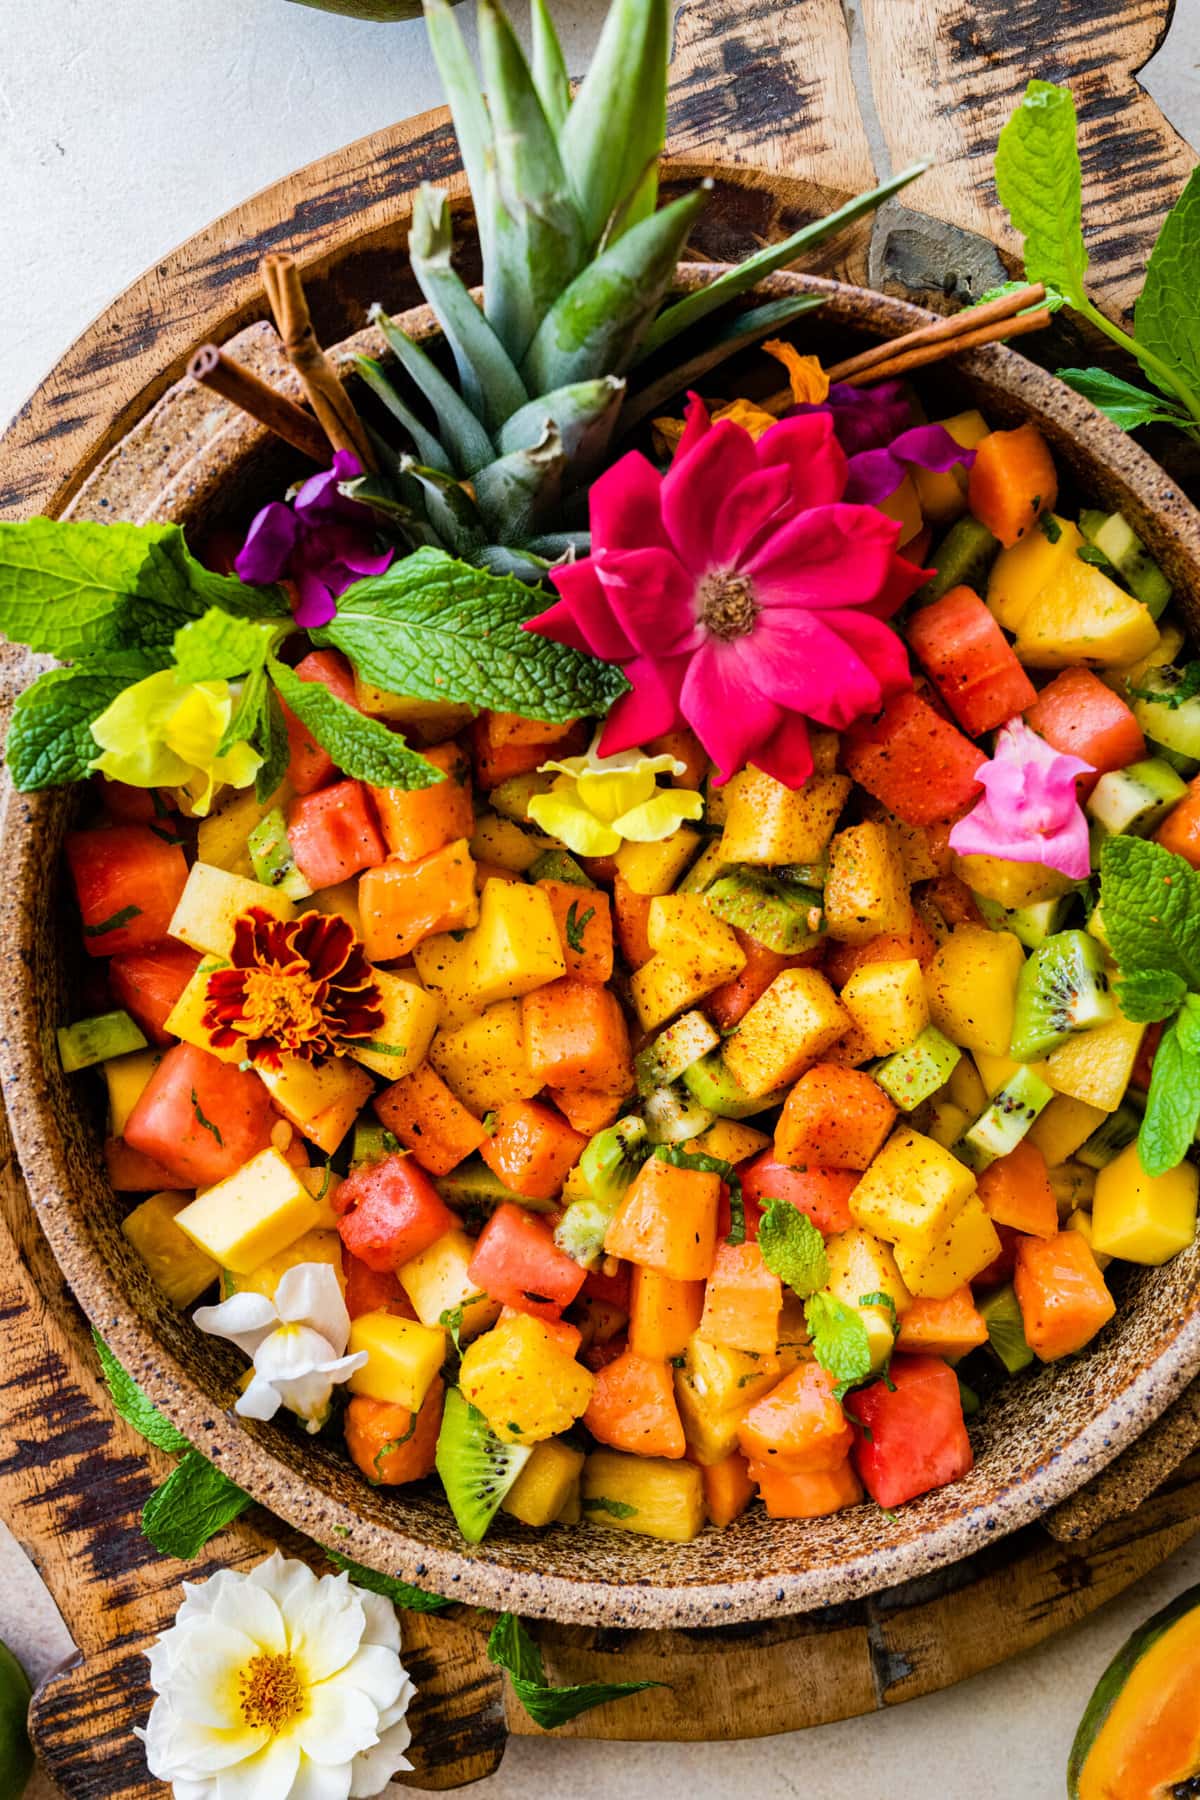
(1135, 800)
(90, 1041)
(910, 1076)
(964, 556)
(1001, 1313)
(558, 865)
(1031, 925)
(476, 1467)
(1108, 1140)
(1115, 537)
(1064, 987)
(1171, 724)
(673, 1115)
(783, 915)
(1005, 1120)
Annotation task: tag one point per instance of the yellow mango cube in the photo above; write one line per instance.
(1018, 575)
(126, 1078)
(866, 890)
(317, 1246)
(860, 1264)
(946, 1122)
(911, 1191)
(768, 822)
(437, 1282)
(502, 842)
(322, 1100)
(410, 1018)
(546, 1484)
(785, 1030)
(403, 1358)
(682, 928)
(1095, 1065)
(211, 902)
(523, 1382)
(647, 1494)
(972, 987)
(1144, 1218)
(966, 1089)
(655, 868)
(340, 900)
(251, 1215)
(483, 1061)
(427, 721)
(995, 1072)
(964, 1247)
(888, 1002)
(222, 837)
(1062, 1126)
(179, 1267)
(186, 1017)
(515, 947)
(732, 1140)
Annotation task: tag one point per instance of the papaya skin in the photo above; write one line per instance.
(1140, 1735)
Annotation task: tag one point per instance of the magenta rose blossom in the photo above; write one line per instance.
(322, 542)
(1030, 811)
(739, 592)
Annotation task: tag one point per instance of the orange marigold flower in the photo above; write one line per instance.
(296, 987)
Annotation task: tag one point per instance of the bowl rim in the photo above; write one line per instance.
(466, 1573)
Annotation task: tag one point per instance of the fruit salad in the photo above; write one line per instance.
(623, 1138)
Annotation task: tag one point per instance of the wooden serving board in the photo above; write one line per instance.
(770, 101)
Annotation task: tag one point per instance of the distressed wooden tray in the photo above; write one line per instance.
(769, 101)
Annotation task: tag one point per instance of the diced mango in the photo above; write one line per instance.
(866, 890)
(322, 1100)
(401, 1042)
(768, 822)
(972, 986)
(502, 843)
(995, 1072)
(693, 953)
(1011, 883)
(340, 901)
(711, 1434)
(126, 1078)
(483, 1061)
(1144, 1218)
(731, 1140)
(655, 868)
(428, 721)
(526, 1385)
(785, 1030)
(1081, 1222)
(546, 1484)
(946, 1122)
(446, 968)
(403, 1357)
(515, 947)
(1096, 1065)
(251, 1215)
(1084, 618)
(210, 904)
(222, 837)
(943, 492)
(860, 1264)
(1062, 1126)
(186, 1017)
(964, 1247)
(888, 1002)
(179, 1267)
(647, 1494)
(317, 1246)
(437, 1282)
(911, 1192)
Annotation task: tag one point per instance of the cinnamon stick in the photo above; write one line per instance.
(902, 360)
(959, 325)
(218, 372)
(326, 395)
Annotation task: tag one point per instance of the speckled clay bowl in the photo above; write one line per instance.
(1035, 1443)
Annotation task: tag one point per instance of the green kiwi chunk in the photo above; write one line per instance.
(1005, 1120)
(1001, 1313)
(1031, 925)
(95, 1040)
(1115, 537)
(1108, 1140)
(785, 916)
(1135, 800)
(908, 1077)
(476, 1467)
(1064, 987)
(964, 556)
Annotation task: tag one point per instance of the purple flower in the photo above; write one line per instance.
(872, 426)
(322, 543)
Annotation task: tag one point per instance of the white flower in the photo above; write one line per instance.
(297, 1341)
(277, 1685)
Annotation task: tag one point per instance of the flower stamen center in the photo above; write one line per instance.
(271, 1693)
(727, 603)
(282, 1004)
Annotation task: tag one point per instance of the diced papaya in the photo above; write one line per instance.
(1180, 830)
(833, 1116)
(948, 1328)
(1016, 1191)
(663, 1314)
(810, 1494)
(586, 1110)
(728, 1488)
(583, 917)
(576, 1037)
(1063, 1297)
(742, 1301)
(532, 1149)
(728, 1004)
(502, 745)
(417, 821)
(429, 1120)
(632, 912)
(667, 1220)
(633, 1407)
(387, 1444)
(401, 903)
(1012, 482)
(798, 1426)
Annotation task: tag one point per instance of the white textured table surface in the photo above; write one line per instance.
(125, 125)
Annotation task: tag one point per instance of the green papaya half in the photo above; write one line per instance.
(1140, 1736)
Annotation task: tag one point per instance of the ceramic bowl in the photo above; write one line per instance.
(1037, 1440)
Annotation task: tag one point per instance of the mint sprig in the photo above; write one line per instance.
(400, 1593)
(363, 748)
(512, 1649)
(839, 1340)
(50, 740)
(793, 1248)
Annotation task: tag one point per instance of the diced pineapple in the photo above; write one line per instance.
(179, 1267)
(943, 492)
(731, 1140)
(911, 1191)
(1096, 1065)
(1073, 1185)
(965, 1247)
(655, 868)
(1062, 1126)
(1084, 617)
(446, 968)
(322, 1100)
(784, 1031)
(341, 900)
(1081, 1222)
(860, 1264)
(401, 1042)
(211, 902)
(186, 1017)
(251, 1215)
(428, 721)
(1011, 883)
(503, 843)
(403, 1358)
(881, 1335)
(866, 891)
(222, 836)
(546, 1484)
(1144, 1218)
(711, 1434)
(515, 947)
(767, 822)
(126, 1078)
(483, 1061)
(437, 1282)
(966, 1089)
(888, 1002)
(524, 1383)
(1018, 575)
(646, 1494)
(972, 987)
(725, 1379)
(323, 1246)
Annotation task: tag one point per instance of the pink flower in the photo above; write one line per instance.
(1030, 811)
(740, 594)
(323, 543)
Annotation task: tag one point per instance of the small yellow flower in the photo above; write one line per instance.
(808, 381)
(165, 733)
(742, 412)
(598, 802)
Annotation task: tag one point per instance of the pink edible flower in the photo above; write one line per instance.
(1030, 811)
(739, 593)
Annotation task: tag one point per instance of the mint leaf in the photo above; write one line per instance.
(1167, 317)
(192, 1505)
(1150, 901)
(77, 589)
(1052, 302)
(442, 630)
(576, 926)
(1038, 181)
(511, 1648)
(616, 1509)
(133, 1406)
(219, 647)
(1173, 1104)
(793, 1248)
(1187, 1025)
(400, 1593)
(50, 742)
(1126, 405)
(1147, 995)
(451, 1319)
(839, 1340)
(363, 748)
(270, 740)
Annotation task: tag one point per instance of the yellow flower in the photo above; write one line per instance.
(600, 801)
(808, 381)
(742, 412)
(165, 733)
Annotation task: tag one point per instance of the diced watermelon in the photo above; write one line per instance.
(372, 1290)
(970, 661)
(824, 1194)
(517, 1262)
(914, 761)
(309, 763)
(132, 1173)
(199, 1118)
(1080, 716)
(909, 1431)
(391, 1211)
(128, 881)
(334, 834)
(127, 805)
(147, 983)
